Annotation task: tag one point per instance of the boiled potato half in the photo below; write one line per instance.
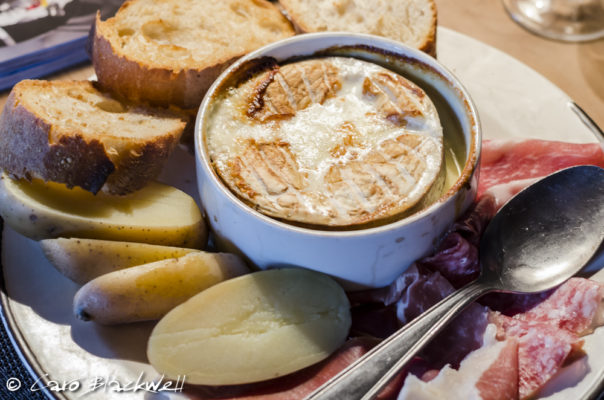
(82, 260)
(149, 291)
(157, 214)
(252, 328)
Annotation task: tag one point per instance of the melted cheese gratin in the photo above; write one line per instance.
(329, 141)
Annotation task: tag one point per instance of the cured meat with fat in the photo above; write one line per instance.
(557, 316)
(505, 161)
(489, 373)
(575, 306)
(300, 384)
(543, 349)
(414, 292)
(549, 332)
(500, 380)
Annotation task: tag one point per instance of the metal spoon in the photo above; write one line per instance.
(539, 239)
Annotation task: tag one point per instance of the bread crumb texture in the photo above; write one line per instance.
(193, 33)
(69, 132)
(169, 52)
(412, 22)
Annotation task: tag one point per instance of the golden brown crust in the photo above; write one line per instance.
(138, 82)
(145, 80)
(298, 20)
(281, 92)
(429, 46)
(26, 153)
(32, 146)
(366, 166)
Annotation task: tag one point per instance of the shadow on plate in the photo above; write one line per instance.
(124, 342)
(32, 281)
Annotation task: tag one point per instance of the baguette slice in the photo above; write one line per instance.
(412, 22)
(169, 52)
(71, 133)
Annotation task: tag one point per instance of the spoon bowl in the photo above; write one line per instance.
(546, 233)
(539, 239)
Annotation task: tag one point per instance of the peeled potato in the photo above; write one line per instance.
(252, 328)
(156, 214)
(149, 291)
(82, 260)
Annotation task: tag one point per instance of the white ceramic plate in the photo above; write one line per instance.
(512, 100)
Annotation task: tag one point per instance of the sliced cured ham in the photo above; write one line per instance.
(548, 333)
(302, 383)
(505, 161)
(551, 320)
(500, 380)
(542, 350)
(547, 337)
(294, 386)
(575, 306)
(489, 373)
(502, 192)
(413, 293)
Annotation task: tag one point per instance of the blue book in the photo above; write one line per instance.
(40, 37)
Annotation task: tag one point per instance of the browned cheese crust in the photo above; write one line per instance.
(365, 182)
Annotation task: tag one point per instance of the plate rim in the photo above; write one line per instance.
(13, 331)
(32, 365)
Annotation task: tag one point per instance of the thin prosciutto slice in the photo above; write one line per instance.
(506, 161)
(500, 380)
(298, 385)
(489, 373)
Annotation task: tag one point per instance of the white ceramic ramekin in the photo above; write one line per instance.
(370, 257)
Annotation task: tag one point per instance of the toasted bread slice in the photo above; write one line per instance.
(169, 52)
(412, 22)
(69, 132)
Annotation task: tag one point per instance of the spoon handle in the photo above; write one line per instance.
(365, 378)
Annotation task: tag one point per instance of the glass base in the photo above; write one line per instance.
(568, 20)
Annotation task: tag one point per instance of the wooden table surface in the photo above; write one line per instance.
(578, 69)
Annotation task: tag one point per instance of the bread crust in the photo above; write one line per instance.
(146, 81)
(143, 163)
(427, 46)
(141, 83)
(26, 153)
(76, 158)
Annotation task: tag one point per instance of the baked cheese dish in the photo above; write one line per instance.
(333, 142)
